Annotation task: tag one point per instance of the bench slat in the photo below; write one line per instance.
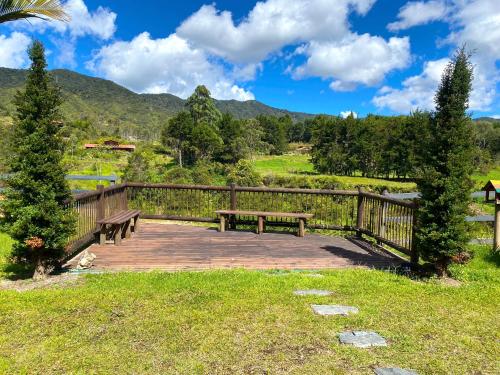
(120, 217)
(264, 213)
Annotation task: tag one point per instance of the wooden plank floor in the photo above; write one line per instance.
(176, 247)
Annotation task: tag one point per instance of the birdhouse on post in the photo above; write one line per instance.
(492, 195)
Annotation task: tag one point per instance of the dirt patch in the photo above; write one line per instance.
(56, 281)
(448, 281)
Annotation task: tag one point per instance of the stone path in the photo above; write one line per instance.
(334, 310)
(358, 339)
(362, 339)
(312, 292)
(393, 371)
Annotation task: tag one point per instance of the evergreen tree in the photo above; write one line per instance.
(202, 107)
(447, 164)
(34, 211)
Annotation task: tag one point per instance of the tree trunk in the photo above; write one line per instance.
(180, 157)
(442, 267)
(42, 269)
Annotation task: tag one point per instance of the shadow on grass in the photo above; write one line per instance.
(493, 258)
(15, 271)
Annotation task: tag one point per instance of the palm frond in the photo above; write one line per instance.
(11, 10)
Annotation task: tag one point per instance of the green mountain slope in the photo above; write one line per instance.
(109, 105)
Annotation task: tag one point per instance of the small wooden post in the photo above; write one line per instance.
(260, 226)
(222, 224)
(102, 235)
(361, 208)
(496, 238)
(302, 229)
(136, 224)
(118, 235)
(234, 204)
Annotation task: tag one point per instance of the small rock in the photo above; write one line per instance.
(334, 310)
(362, 339)
(87, 260)
(393, 371)
(312, 292)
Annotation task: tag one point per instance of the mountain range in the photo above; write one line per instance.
(108, 103)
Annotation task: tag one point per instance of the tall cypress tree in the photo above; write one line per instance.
(446, 167)
(34, 211)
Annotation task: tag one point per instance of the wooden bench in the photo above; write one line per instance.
(119, 223)
(262, 215)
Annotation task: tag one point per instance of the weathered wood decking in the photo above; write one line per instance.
(177, 247)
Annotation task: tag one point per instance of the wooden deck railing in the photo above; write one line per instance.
(388, 220)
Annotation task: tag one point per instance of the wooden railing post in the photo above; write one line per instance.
(234, 205)
(414, 256)
(100, 202)
(496, 234)
(361, 209)
(383, 216)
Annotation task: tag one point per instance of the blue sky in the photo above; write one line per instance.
(317, 56)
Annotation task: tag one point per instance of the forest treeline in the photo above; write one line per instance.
(374, 146)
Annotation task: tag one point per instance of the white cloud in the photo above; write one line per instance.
(345, 114)
(358, 59)
(169, 64)
(99, 23)
(495, 116)
(475, 24)
(269, 26)
(419, 13)
(13, 50)
(418, 91)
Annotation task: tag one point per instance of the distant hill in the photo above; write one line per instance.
(488, 119)
(111, 105)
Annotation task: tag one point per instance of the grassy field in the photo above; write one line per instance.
(481, 179)
(298, 167)
(230, 322)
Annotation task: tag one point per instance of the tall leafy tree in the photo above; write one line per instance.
(11, 10)
(177, 134)
(202, 107)
(34, 208)
(447, 164)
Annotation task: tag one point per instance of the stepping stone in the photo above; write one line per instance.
(362, 339)
(314, 275)
(393, 371)
(334, 310)
(312, 292)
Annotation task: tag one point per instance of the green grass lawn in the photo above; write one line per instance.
(297, 168)
(246, 322)
(481, 179)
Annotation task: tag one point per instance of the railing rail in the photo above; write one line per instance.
(389, 220)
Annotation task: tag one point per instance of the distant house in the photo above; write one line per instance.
(111, 145)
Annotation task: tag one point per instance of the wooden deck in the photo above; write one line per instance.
(178, 247)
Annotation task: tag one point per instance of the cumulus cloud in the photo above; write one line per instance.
(418, 91)
(269, 26)
(13, 50)
(345, 114)
(357, 59)
(475, 24)
(99, 23)
(417, 13)
(170, 64)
